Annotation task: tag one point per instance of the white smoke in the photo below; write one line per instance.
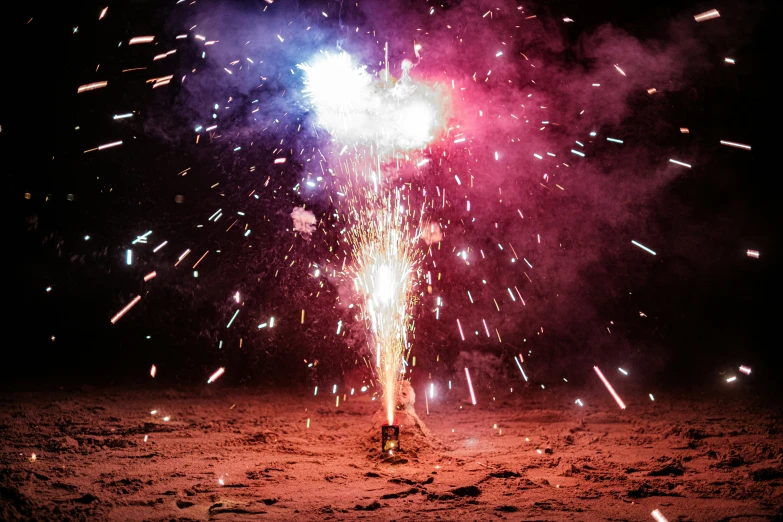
(304, 222)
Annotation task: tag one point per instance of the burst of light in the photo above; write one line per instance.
(352, 107)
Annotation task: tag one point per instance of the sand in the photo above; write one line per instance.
(239, 454)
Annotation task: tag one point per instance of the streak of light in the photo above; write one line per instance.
(460, 330)
(680, 163)
(643, 247)
(153, 371)
(141, 40)
(125, 309)
(91, 87)
(160, 246)
(215, 376)
(731, 379)
(199, 259)
(182, 256)
(150, 276)
(232, 319)
(707, 15)
(519, 365)
(110, 145)
(623, 371)
(735, 145)
(745, 370)
(753, 253)
(609, 387)
(658, 516)
(470, 386)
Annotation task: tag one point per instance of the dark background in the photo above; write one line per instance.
(709, 308)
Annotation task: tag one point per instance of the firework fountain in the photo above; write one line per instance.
(383, 119)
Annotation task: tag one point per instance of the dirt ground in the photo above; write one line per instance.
(235, 454)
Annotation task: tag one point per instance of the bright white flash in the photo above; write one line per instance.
(355, 106)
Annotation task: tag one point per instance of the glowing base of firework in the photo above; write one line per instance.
(390, 438)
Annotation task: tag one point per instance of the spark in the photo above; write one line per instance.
(707, 15)
(745, 370)
(651, 397)
(729, 60)
(731, 379)
(125, 309)
(579, 402)
(91, 87)
(141, 40)
(658, 516)
(519, 365)
(160, 246)
(470, 386)
(128, 256)
(153, 371)
(103, 13)
(623, 371)
(613, 140)
(679, 163)
(753, 253)
(232, 319)
(609, 387)
(110, 145)
(215, 376)
(735, 145)
(643, 247)
(619, 70)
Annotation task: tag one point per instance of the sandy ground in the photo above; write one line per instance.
(243, 455)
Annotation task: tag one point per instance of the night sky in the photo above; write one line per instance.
(691, 313)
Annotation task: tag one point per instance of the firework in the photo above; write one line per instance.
(385, 259)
